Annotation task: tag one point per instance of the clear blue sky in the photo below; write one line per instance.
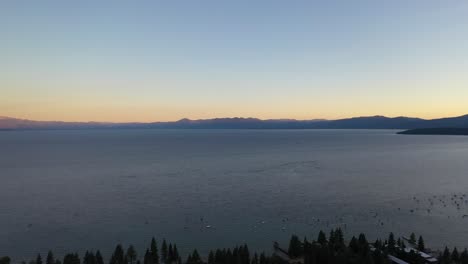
(165, 60)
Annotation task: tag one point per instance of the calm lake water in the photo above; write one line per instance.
(88, 189)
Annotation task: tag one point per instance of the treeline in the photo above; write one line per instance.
(322, 250)
(397, 249)
(448, 257)
(169, 254)
(334, 250)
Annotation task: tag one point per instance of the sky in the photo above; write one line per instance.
(166, 60)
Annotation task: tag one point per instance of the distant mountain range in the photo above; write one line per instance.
(371, 122)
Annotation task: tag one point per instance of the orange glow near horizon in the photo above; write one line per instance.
(80, 103)
(142, 114)
(147, 62)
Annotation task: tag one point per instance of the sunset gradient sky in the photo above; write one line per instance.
(165, 60)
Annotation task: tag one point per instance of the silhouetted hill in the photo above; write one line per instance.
(372, 122)
(461, 121)
(15, 123)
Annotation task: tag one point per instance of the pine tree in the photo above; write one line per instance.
(147, 259)
(263, 259)
(378, 244)
(255, 259)
(211, 258)
(412, 239)
(38, 259)
(446, 255)
(68, 259)
(71, 259)
(89, 258)
(354, 245)
(170, 254)
(50, 258)
(421, 246)
(131, 254)
(295, 248)
(154, 252)
(464, 257)
(99, 259)
(246, 254)
(339, 237)
(164, 251)
(176, 253)
(322, 238)
(118, 255)
(455, 255)
(391, 243)
(194, 258)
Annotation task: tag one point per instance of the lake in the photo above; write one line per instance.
(74, 190)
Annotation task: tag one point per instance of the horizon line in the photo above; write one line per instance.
(233, 117)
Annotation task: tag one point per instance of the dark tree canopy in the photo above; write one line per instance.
(50, 258)
(334, 250)
(421, 245)
(5, 260)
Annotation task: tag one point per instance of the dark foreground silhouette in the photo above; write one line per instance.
(332, 249)
(437, 131)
